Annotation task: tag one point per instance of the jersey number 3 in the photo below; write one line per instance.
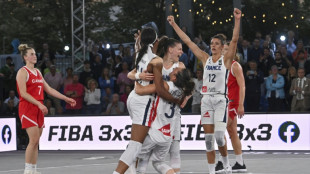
(172, 111)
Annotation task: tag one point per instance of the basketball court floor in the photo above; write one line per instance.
(194, 162)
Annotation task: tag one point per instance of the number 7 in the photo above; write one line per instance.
(40, 89)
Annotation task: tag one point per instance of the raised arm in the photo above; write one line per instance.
(230, 54)
(201, 55)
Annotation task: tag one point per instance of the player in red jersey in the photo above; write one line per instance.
(236, 94)
(31, 87)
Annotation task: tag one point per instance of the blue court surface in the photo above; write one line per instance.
(104, 162)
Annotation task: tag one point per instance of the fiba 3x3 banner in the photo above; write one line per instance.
(256, 131)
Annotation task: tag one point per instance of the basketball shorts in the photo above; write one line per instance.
(30, 115)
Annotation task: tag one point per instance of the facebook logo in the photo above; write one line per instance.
(289, 132)
(6, 134)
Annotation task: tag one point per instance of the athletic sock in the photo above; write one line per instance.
(28, 166)
(34, 167)
(225, 161)
(211, 168)
(239, 159)
(115, 172)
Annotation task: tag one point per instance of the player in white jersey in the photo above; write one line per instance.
(214, 90)
(140, 107)
(171, 50)
(160, 136)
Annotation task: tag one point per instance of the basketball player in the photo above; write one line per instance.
(141, 107)
(171, 50)
(236, 94)
(31, 87)
(160, 136)
(214, 89)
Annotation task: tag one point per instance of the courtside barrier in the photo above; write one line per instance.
(256, 131)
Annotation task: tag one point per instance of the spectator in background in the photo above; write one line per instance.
(121, 50)
(244, 50)
(54, 79)
(97, 67)
(118, 66)
(271, 44)
(75, 91)
(275, 90)
(122, 79)
(12, 96)
(106, 99)
(86, 74)
(44, 61)
(124, 96)
(69, 77)
(115, 107)
(253, 80)
(291, 74)
(256, 51)
(266, 45)
(301, 60)
(258, 36)
(287, 57)
(49, 105)
(43, 56)
(281, 64)
(128, 57)
(9, 76)
(300, 90)
(307, 68)
(265, 62)
(291, 47)
(300, 47)
(11, 110)
(196, 103)
(92, 98)
(106, 81)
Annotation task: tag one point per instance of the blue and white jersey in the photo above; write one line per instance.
(142, 65)
(162, 128)
(215, 77)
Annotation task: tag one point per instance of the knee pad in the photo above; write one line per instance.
(175, 158)
(161, 167)
(219, 137)
(131, 153)
(209, 138)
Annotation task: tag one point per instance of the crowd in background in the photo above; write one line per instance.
(276, 77)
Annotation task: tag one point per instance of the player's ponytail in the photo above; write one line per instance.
(148, 36)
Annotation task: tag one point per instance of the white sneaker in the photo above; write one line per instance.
(27, 171)
(228, 170)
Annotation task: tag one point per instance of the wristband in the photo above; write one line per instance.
(137, 76)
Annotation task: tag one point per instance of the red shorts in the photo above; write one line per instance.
(30, 115)
(232, 110)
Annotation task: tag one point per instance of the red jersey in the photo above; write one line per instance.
(233, 87)
(34, 85)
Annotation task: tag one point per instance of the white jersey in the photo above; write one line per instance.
(162, 127)
(215, 77)
(140, 107)
(144, 62)
(165, 72)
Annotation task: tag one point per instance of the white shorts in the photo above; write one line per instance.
(140, 108)
(154, 151)
(177, 127)
(214, 109)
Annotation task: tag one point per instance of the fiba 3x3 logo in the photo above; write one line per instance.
(289, 132)
(6, 134)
